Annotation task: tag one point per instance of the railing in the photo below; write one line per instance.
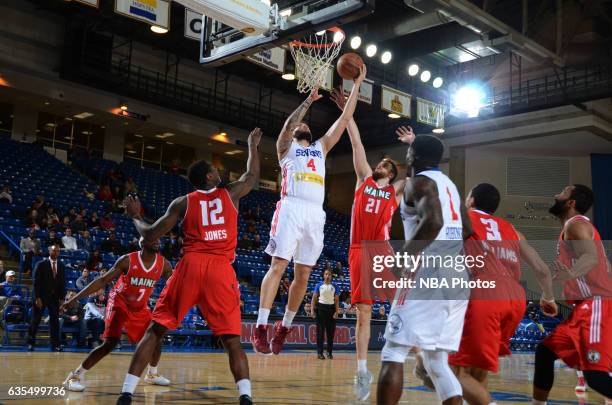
(14, 250)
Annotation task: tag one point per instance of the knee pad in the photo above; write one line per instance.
(394, 353)
(446, 383)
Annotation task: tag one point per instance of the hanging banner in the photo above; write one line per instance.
(154, 12)
(92, 3)
(365, 91)
(273, 59)
(430, 113)
(193, 24)
(395, 101)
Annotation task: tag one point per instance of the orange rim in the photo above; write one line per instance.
(326, 45)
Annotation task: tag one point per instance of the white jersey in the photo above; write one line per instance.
(410, 219)
(450, 202)
(303, 170)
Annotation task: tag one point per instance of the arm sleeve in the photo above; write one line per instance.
(336, 289)
(316, 289)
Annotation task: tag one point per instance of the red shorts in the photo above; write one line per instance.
(119, 317)
(361, 260)
(487, 330)
(205, 280)
(584, 340)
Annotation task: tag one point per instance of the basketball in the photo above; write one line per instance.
(348, 66)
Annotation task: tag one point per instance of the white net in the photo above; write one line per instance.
(314, 56)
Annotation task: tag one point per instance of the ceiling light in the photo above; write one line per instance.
(285, 13)
(86, 132)
(356, 42)
(50, 125)
(222, 133)
(87, 114)
(288, 76)
(170, 143)
(413, 69)
(131, 151)
(159, 30)
(386, 57)
(338, 36)
(425, 76)
(68, 137)
(102, 126)
(123, 107)
(371, 50)
(68, 119)
(468, 100)
(320, 33)
(437, 82)
(47, 103)
(138, 135)
(126, 123)
(438, 130)
(164, 135)
(233, 152)
(393, 115)
(150, 147)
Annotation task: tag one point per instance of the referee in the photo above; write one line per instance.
(324, 307)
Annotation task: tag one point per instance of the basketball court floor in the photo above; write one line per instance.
(292, 378)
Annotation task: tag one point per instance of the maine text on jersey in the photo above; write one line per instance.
(142, 282)
(376, 192)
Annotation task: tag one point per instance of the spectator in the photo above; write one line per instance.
(65, 224)
(52, 239)
(49, 289)
(52, 218)
(94, 316)
(105, 193)
(69, 241)
(112, 245)
(117, 193)
(30, 246)
(107, 223)
(257, 242)
(86, 242)
(381, 313)
(348, 310)
(78, 225)
(245, 242)
(283, 290)
(251, 227)
(325, 307)
(72, 213)
(115, 206)
(33, 220)
(72, 317)
(248, 215)
(83, 280)
(9, 291)
(93, 222)
(89, 195)
(5, 195)
(172, 248)
(94, 262)
(130, 186)
(338, 269)
(40, 205)
(328, 267)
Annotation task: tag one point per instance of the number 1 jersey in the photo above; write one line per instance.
(211, 223)
(373, 210)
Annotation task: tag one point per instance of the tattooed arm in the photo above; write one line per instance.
(284, 139)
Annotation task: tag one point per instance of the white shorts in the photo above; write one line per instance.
(297, 231)
(427, 324)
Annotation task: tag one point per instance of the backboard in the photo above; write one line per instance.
(288, 20)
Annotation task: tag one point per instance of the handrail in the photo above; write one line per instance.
(15, 246)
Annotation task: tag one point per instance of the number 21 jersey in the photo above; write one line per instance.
(373, 210)
(211, 223)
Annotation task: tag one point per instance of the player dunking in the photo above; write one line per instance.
(493, 315)
(376, 199)
(204, 276)
(430, 319)
(137, 273)
(584, 339)
(297, 226)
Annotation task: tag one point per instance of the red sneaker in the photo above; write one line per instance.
(259, 339)
(280, 334)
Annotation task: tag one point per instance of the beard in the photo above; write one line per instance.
(557, 208)
(376, 175)
(303, 135)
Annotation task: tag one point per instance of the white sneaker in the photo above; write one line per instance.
(581, 385)
(362, 385)
(156, 379)
(73, 383)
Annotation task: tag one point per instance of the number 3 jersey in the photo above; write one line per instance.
(373, 210)
(135, 287)
(303, 170)
(211, 223)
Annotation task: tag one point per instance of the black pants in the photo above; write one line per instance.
(53, 307)
(326, 323)
(96, 327)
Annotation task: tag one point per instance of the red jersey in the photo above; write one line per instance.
(373, 210)
(596, 282)
(135, 287)
(211, 223)
(502, 240)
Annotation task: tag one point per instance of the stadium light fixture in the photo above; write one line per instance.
(285, 13)
(338, 37)
(371, 50)
(437, 82)
(413, 69)
(288, 76)
(468, 100)
(425, 76)
(438, 130)
(393, 115)
(355, 42)
(320, 33)
(123, 107)
(159, 30)
(386, 57)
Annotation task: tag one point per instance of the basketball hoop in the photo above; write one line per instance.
(314, 55)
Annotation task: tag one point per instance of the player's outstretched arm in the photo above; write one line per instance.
(247, 181)
(332, 136)
(580, 235)
(284, 139)
(120, 266)
(360, 160)
(163, 225)
(542, 274)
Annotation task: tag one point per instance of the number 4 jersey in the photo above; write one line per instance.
(373, 210)
(211, 223)
(304, 173)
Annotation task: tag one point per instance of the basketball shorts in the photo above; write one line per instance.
(297, 231)
(364, 290)
(584, 340)
(487, 330)
(119, 318)
(427, 324)
(205, 280)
